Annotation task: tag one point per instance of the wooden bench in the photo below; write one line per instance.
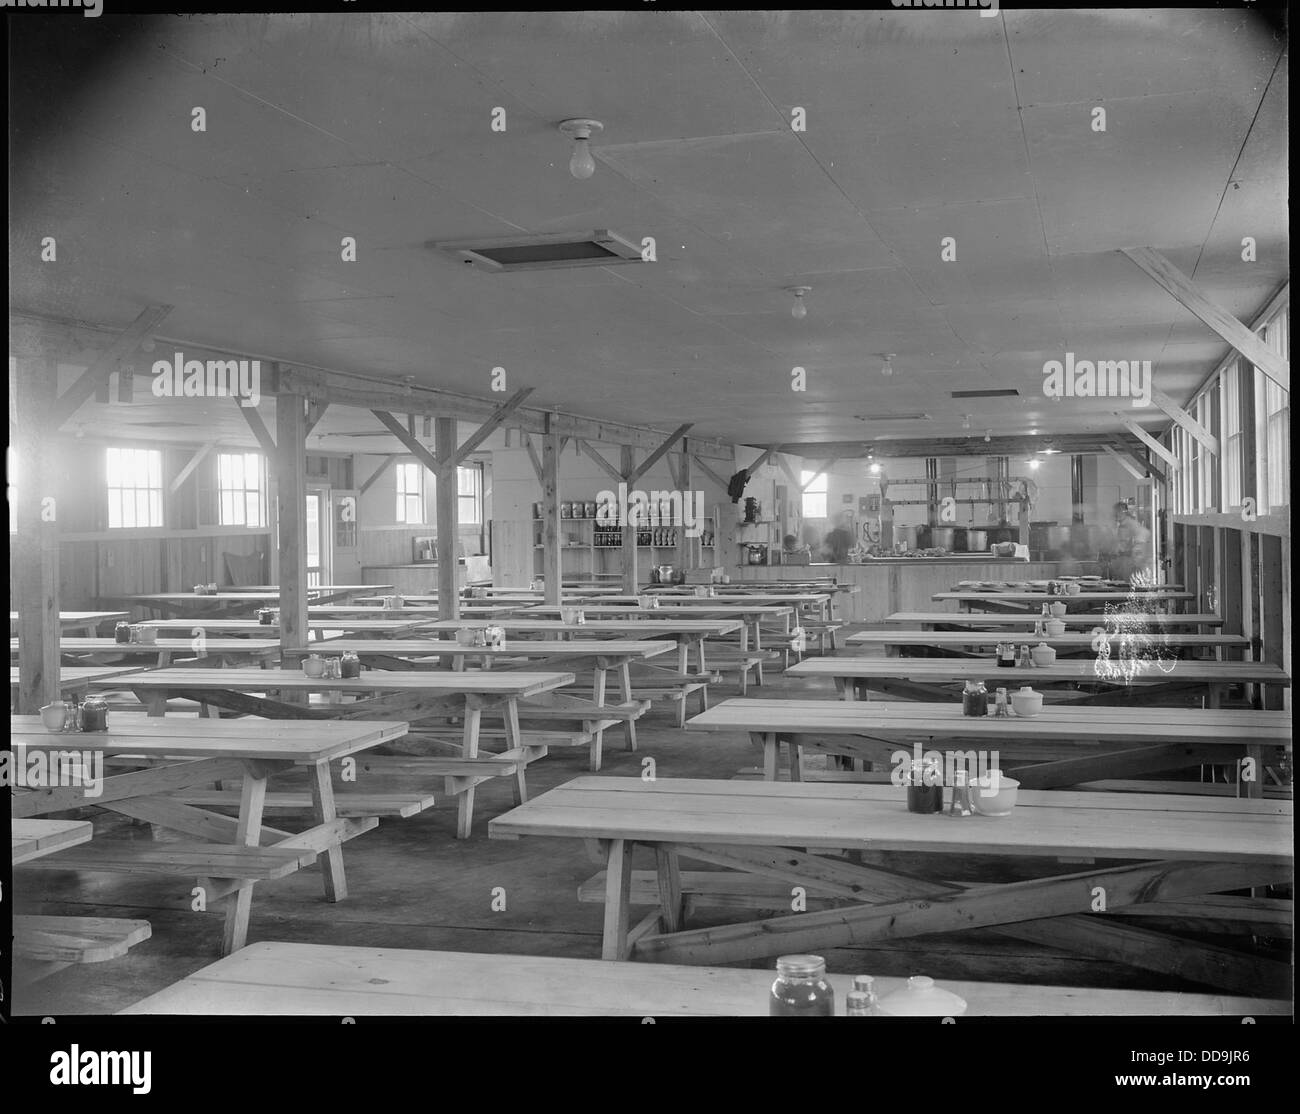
(734, 661)
(595, 719)
(824, 632)
(392, 805)
(203, 860)
(49, 944)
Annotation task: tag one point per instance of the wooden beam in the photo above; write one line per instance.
(368, 393)
(489, 427)
(789, 471)
(184, 474)
(551, 557)
(674, 469)
(1220, 320)
(1149, 441)
(126, 385)
(817, 472)
(385, 464)
(255, 423)
(658, 453)
(1184, 419)
(1126, 463)
(122, 348)
(709, 472)
(609, 470)
(35, 547)
(446, 496)
(628, 564)
(688, 549)
(767, 455)
(538, 470)
(399, 431)
(315, 411)
(291, 511)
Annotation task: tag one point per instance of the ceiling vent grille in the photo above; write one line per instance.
(599, 248)
(1001, 392)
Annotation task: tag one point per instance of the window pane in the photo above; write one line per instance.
(814, 504)
(114, 509)
(816, 486)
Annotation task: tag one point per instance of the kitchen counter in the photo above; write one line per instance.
(889, 584)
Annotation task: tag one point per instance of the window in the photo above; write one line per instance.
(469, 492)
(410, 492)
(134, 488)
(814, 494)
(241, 490)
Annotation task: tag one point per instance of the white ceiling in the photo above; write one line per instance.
(921, 125)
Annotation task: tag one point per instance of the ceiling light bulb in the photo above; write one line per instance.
(875, 467)
(581, 165)
(799, 310)
(887, 368)
(1033, 463)
(965, 421)
(988, 435)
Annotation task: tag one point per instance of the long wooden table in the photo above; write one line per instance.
(920, 678)
(225, 651)
(34, 839)
(77, 678)
(1023, 601)
(953, 642)
(601, 656)
(236, 600)
(87, 621)
(1152, 849)
(1062, 746)
(933, 620)
(378, 694)
(280, 979)
(751, 615)
(231, 854)
(209, 625)
(485, 610)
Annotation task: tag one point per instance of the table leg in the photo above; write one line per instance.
(323, 811)
(670, 889)
(469, 749)
(771, 756)
(683, 654)
(700, 655)
(796, 759)
(252, 797)
(618, 891)
(514, 741)
(597, 737)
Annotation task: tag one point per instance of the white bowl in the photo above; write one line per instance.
(994, 794)
(1027, 705)
(1043, 655)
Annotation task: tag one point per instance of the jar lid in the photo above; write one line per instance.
(921, 998)
(863, 983)
(801, 965)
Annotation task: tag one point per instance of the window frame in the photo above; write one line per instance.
(240, 494)
(407, 499)
(151, 491)
(816, 486)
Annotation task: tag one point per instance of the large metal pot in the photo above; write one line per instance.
(942, 537)
(977, 541)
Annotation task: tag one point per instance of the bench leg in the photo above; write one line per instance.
(513, 741)
(323, 810)
(597, 737)
(670, 889)
(796, 760)
(618, 892)
(252, 797)
(469, 749)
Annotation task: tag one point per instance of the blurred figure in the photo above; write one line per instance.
(1132, 546)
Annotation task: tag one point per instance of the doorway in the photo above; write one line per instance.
(317, 536)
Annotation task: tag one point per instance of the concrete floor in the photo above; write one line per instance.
(412, 885)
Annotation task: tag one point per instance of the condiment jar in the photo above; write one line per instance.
(921, 998)
(122, 632)
(349, 664)
(975, 700)
(265, 616)
(924, 789)
(94, 714)
(801, 989)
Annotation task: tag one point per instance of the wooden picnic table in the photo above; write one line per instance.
(77, 678)
(416, 611)
(1178, 850)
(932, 620)
(955, 642)
(407, 696)
(688, 633)
(394, 627)
(601, 656)
(228, 855)
(918, 678)
(225, 651)
(87, 621)
(33, 839)
(270, 978)
(752, 615)
(1062, 746)
(1022, 601)
(232, 601)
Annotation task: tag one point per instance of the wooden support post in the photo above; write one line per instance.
(291, 510)
(1149, 441)
(489, 427)
(688, 548)
(184, 474)
(710, 472)
(444, 430)
(657, 455)
(630, 578)
(551, 556)
(1184, 419)
(35, 547)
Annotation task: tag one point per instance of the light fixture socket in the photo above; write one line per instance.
(580, 128)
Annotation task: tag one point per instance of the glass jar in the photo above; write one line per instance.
(801, 989)
(975, 700)
(94, 714)
(924, 789)
(349, 664)
(122, 632)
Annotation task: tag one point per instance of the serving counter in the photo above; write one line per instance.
(889, 584)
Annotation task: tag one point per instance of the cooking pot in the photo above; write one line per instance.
(942, 537)
(977, 541)
(906, 537)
